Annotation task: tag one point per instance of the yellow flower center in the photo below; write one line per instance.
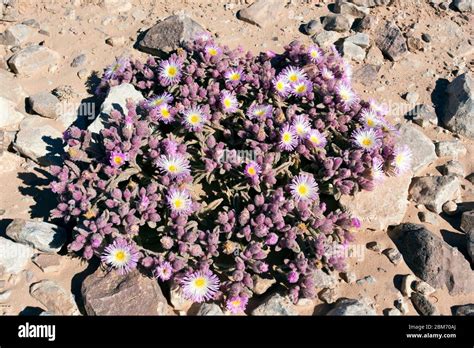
(165, 113)
(286, 137)
(236, 303)
(370, 122)
(172, 168)
(227, 103)
(314, 54)
(345, 95)
(235, 76)
(300, 129)
(194, 118)
(118, 160)
(200, 282)
(212, 51)
(120, 256)
(301, 88)
(399, 159)
(89, 214)
(302, 190)
(280, 86)
(293, 78)
(314, 139)
(251, 171)
(367, 142)
(178, 203)
(172, 71)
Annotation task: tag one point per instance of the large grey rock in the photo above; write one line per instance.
(33, 60)
(37, 234)
(40, 140)
(323, 280)
(262, 12)
(116, 99)
(45, 104)
(467, 309)
(9, 11)
(14, 92)
(359, 39)
(433, 260)
(371, 3)
(337, 22)
(434, 191)
(109, 293)
(275, 305)
(459, 112)
(376, 213)
(464, 5)
(423, 305)
(452, 168)
(467, 221)
(391, 42)
(56, 299)
(169, 34)
(10, 118)
(367, 74)
(348, 307)
(16, 35)
(13, 256)
(353, 51)
(347, 8)
(209, 309)
(422, 148)
(326, 38)
(450, 148)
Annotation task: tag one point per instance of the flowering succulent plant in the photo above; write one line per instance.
(229, 169)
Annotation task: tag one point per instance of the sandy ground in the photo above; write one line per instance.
(74, 30)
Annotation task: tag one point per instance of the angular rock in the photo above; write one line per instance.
(275, 305)
(169, 34)
(45, 104)
(262, 12)
(209, 309)
(467, 221)
(434, 191)
(13, 256)
(424, 288)
(10, 118)
(464, 310)
(464, 5)
(114, 294)
(261, 285)
(10, 162)
(450, 208)
(326, 38)
(337, 22)
(401, 305)
(428, 217)
(450, 148)
(376, 213)
(177, 299)
(458, 115)
(424, 115)
(33, 60)
(328, 295)
(393, 255)
(353, 51)
(452, 168)
(470, 244)
(323, 280)
(313, 27)
(9, 11)
(365, 23)
(433, 260)
(54, 298)
(116, 99)
(346, 306)
(79, 60)
(422, 148)
(367, 74)
(371, 3)
(14, 92)
(359, 39)
(392, 312)
(423, 305)
(48, 263)
(349, 277)
(39, 235)
(40, 140)
(347, 8)
(391, 42)
(415, 44)
(16, 35)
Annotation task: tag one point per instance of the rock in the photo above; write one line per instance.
(470, 244)
(434, 191)
(428, 217)
(393, 255)
(14, 92)
(464, 5)
(16, 35)
(328, 295)
(83, 74)
(467, 309)
(209, 309)
(313, 27)
(391, 42)
(423, 305)
(169, 34)
(9, 11)
(412, 97)
(367, 74)
(177, 299)
(422, 148)
(426, 37)
(337, 22)
(261, 285)
(366, 280)
(467, 221)
(54, 298)
(433, 260)
(116, 6)
(401, 305)
(326, 38)
(10, 118)
(450, 148)
(323, 280)
(39, 235)
(116, 99)
(452, 168)
(374, 246)
(352, 51)
(407, 283)
(459, 112)
(375, 213)
(262, 12)
(33, 60)
(45, 104)
(346, 306)
(113, 294)
(10, 162)
(450, 208)
(423, 288)
(365, 23)
(347, 8)
(79, 60)
(116, 41)
(349, 277)
(275, 305)
(13, 256)
(5, 295)
(415, 44)
(370, 3)
(424, 115)
(48, 263)
(359, 39)
(392, 312)
(375, 56)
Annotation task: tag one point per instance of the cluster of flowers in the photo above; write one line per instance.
(163, 188)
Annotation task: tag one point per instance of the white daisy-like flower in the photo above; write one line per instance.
(301, 88)
(327, 74)
(194, 118)
(378, 173)
(370, 118)
(317, 138)
(301, 126)
(234, 75)
(121, 255)
(346, 94)
(174, 165)
(229, 102)
(288, 138)
(170, 71)
(315, 54)
(293, 75)
(212, 50)
(402, 159)
(366, 139)
(281, 86)
(200, 286)
(179, 201)
(164, 113)
(304, 188)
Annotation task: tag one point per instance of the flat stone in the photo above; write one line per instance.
(131, 294)
(13, 256)
(14, 92)
(261, 285)
(37, 234)
(326, 38)
(209, 309)
(458, 115)
(428, 217)
(393, 255)
(323, 280)
(452, 168)
(262, 12)
(79, 60)
(10, 118)
(48, 263)
(376, 213)
(353, 51)
(423, 288)
(467, 309)
(359, 39)
(464, 5)
(54, 298)
(371, 3)
(423, 305)
(328, 295)
(33, 60)
(348, 307)
(424, 115)
(169, 34)
(275, 305)
(116, 6)
(16, 35)
(450, 148)
(337, 22)
(367, 74)
(347, 8)
(391, 42)
(45, 104)
(422, 148)
(434, 191)
(432, 259)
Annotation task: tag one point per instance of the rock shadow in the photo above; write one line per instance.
(36, 185)
(439, 98)
(78, 279)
